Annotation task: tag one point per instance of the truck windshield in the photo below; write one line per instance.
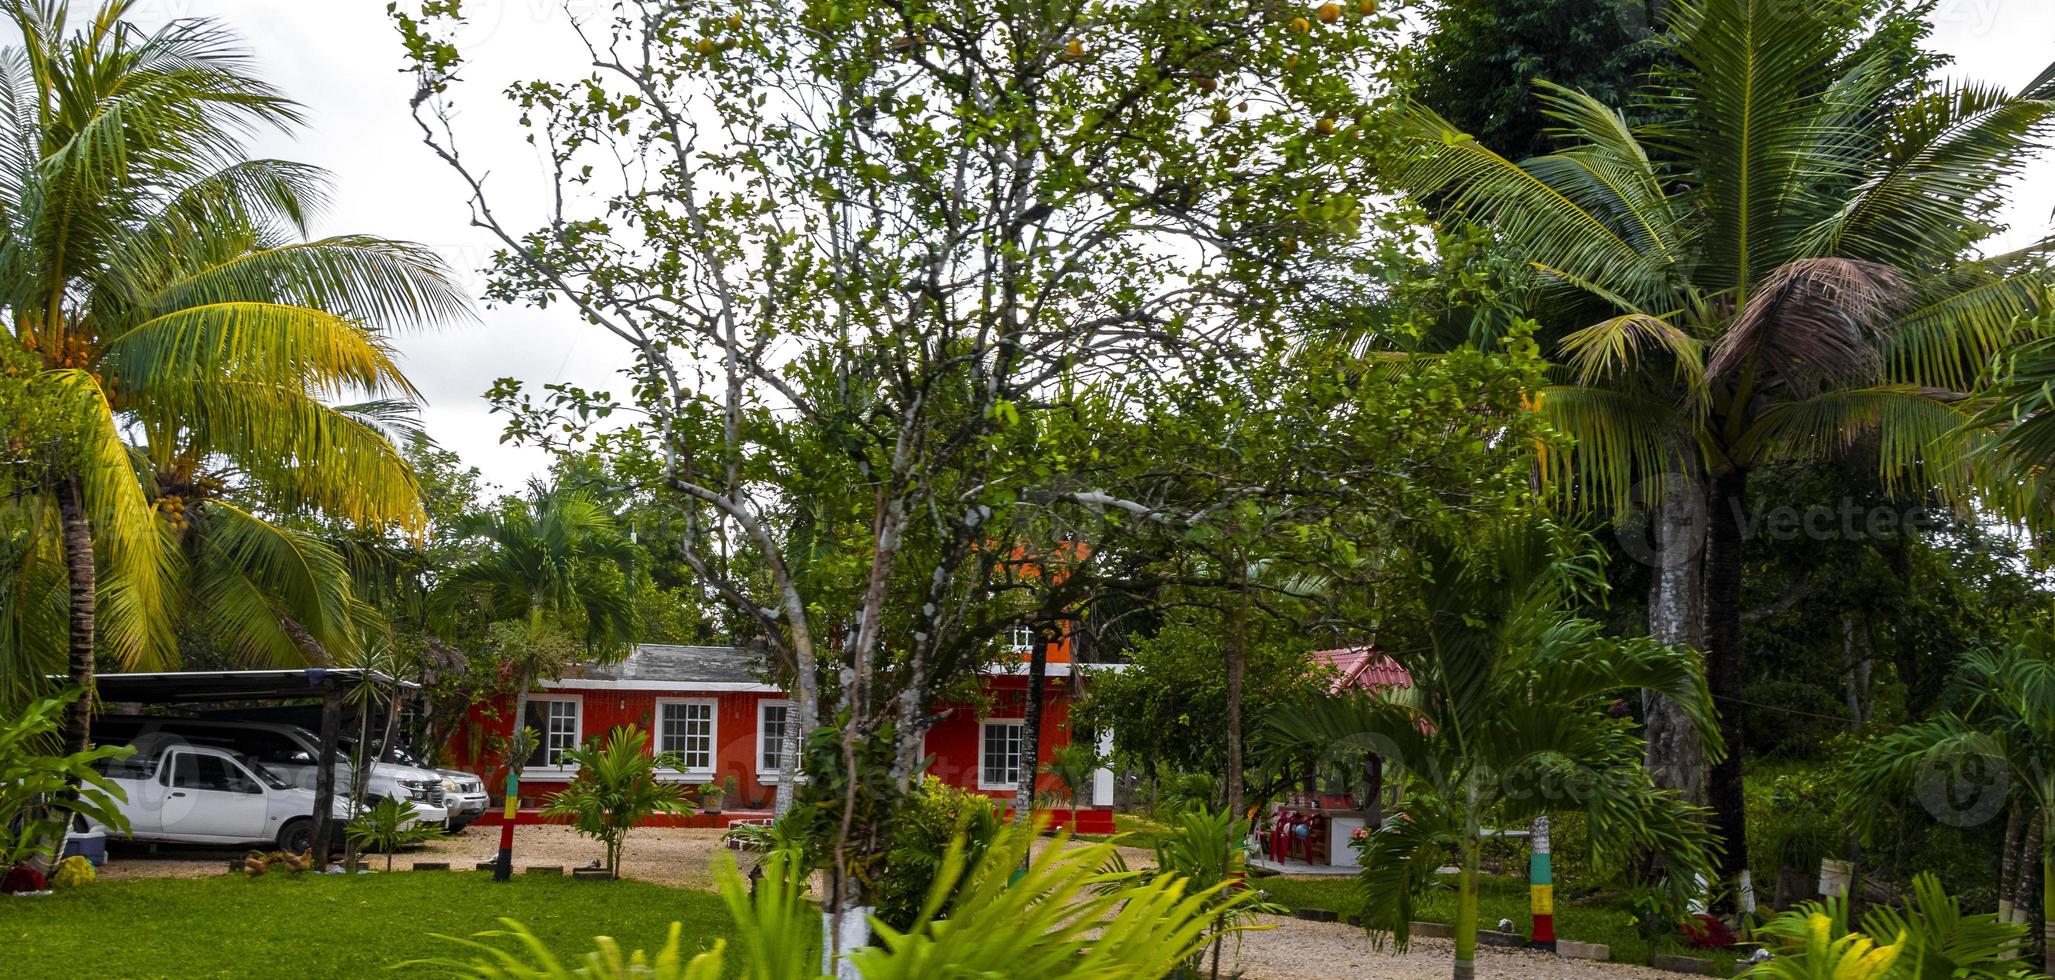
(268, 777)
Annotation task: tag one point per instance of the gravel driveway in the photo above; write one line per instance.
(1299, 950)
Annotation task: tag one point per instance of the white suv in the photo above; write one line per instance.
(290, 751)
(197, 794)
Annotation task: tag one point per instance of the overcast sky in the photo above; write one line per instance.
(341, 58)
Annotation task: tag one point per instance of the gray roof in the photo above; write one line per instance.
(665, 663)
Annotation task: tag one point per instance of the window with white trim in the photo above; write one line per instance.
(773, 721)
(1021, 640)
(686, 730)
(555, 721)
(999, 754)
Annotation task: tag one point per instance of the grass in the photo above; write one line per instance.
(1498, 897)
(328, 926)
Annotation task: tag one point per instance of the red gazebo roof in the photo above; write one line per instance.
(1363, 668)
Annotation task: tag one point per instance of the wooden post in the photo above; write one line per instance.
(324, 774)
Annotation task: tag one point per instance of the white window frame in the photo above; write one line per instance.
(984, 724)
(560, 770)
(693, 774)
(1021, 640)
(766, 774)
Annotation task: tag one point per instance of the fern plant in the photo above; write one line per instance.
(1930, 937)
(388, 825)
(1116, 925)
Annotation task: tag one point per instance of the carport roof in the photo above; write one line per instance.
(203, 686)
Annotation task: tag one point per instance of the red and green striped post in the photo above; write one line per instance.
(1541, 889)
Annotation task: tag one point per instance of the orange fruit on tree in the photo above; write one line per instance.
(1367, 7)
(1076, 48)
(1325, 126)
(1330, 12)
(1301, 25)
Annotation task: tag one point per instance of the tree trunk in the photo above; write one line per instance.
(83, 597)
(1726, 666)
(2030, 855)
(2047, 911)
(1373, 793)
(324, 777)
(1237, 668)
(1031, 732)
(1466, 912)
(1674, 757)
(2008, 867)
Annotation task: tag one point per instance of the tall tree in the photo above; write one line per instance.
(865, 245)
(1784, 271)
(166, 285)
(1479, 60)
(553, 560)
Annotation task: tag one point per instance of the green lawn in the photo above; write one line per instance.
(1497, 898)
(282, 926)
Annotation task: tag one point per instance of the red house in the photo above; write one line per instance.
(709, 706)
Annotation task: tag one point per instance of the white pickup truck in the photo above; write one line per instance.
(198, 794)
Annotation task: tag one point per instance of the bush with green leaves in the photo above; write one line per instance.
(41, 793)
(616, 788)
(1930, 937)
(932, 816)
(1209, 851)
(388, 825)
(1118, 924)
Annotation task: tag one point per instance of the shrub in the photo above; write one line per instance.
(932, 816)
(37, 798)
(73, 872)
(997, 925)
(388, 825)
(1930, 938)
(617, 787)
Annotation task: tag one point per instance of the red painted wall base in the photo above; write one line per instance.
(1088, 821)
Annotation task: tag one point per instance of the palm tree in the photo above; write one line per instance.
(168, 289)
(553, 558)
(2002, 711)
(1509, 707)
(1783, 269)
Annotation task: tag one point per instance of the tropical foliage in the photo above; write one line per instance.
(1510, 707)
(166, 286)
(2000, 719)
(388, 825)
(1930, 937)
(1781, 269)
(41, 794)
(619, 784)
(1116, 925)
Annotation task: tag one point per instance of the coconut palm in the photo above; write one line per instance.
(1783, 269)
(552, 559)
(2002, 713)
(167, 286)
(1509, 708)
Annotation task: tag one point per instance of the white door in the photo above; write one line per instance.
(210, 797)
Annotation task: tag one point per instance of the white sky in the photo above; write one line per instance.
(341, 58)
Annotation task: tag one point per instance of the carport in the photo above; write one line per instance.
(325, 684)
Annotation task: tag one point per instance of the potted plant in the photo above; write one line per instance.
(713, 794)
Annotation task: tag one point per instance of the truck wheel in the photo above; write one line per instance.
(297, 836)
